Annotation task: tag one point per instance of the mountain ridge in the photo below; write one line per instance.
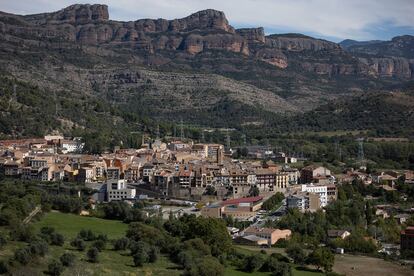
(165, 68)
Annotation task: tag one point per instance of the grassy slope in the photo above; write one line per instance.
(69, 225)
(110, 262)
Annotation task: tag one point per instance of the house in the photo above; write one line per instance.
(342, 234)
(272, 235)
(313, 173)
(402, 218)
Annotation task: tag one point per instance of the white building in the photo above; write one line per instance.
(117, 190)
(320, 190)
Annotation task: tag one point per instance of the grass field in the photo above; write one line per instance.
(110, 262)
(69, 225)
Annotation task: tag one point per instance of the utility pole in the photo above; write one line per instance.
(361, 155)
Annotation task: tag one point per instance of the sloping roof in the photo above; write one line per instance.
(242, 200)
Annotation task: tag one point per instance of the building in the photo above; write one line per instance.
(270, 234)
(113, 173)
(251, 240)
(312, 173)
(320, 190)
(304, 202)
(342, 234)
(407, 238)
(240, 208)
(118, 190)
(265, 180)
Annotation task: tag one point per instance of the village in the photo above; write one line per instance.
(205, 180)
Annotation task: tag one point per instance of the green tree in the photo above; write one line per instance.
(322, 257)
(254, 262)
(296, 252)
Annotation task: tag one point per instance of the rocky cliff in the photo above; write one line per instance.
(203, 31)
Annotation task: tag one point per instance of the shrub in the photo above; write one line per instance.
(153, 254)
(3, 241)
(39, 248)
(121, 244)
(67, 259)
(57, 239)
(4, 268)
(55, 268)
(79, 244)
(99, 244)
(86, 235)
(92, 255)
(140, 258)
(23, 255)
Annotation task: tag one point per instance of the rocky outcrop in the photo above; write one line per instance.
(252, 34)
(299, 43)
(390, 67)
(194, 43)
(76, 14)
(202, 20)
(273, 56)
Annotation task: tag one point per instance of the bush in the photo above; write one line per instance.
(39, 248)
(86, 235)
(153, 254)
(67, 259)
(57, 239)
(92, 255)
(4, 268)
(22, 232)
(121, 244)
(140, 257)
(23, 255)
(3, 241)
(55, 268)
(46, 230)
(79, 244)
(99, 244)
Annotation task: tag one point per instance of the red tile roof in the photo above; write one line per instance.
(242, 200)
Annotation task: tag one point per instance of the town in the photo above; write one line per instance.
(205, 180)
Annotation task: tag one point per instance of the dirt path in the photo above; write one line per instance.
(32, 214)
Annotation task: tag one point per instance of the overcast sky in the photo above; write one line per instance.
(330, 19)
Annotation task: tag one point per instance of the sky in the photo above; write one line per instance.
(329, 19)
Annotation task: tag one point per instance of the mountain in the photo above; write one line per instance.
(198, 69)
(347, 43)
(399, 46)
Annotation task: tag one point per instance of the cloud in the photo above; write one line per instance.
(354, 19)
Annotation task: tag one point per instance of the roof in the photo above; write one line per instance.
(242, 200)
(336, 233)
(253, 238)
